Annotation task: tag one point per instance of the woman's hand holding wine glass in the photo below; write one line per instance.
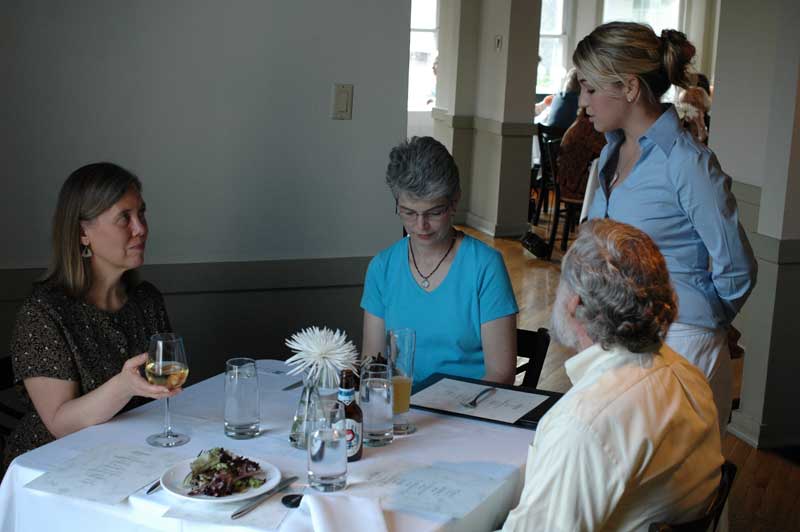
(166, 368)
(135, 384)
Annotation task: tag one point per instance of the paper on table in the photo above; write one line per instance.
(107, 474)
(445, 491)
(503, 405)
(267, 516)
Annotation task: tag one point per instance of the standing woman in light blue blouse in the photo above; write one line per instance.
(452, 289)
(655, 176)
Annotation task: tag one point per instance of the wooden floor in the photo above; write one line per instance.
(766, 493)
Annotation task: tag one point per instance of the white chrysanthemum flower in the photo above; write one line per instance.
(322, 352)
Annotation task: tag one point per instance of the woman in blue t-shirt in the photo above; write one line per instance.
(453, 290)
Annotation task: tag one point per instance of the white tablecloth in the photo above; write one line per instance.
(198, 411)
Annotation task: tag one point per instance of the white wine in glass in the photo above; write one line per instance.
(167, 366)
(171, 375)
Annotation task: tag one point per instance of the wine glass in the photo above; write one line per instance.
(166, 366)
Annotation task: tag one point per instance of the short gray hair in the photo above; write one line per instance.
(621, 278)
(423, 168)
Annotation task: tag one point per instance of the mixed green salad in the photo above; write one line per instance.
(219, 473)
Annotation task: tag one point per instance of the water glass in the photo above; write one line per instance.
(327, 449)
(375, 399)
(242, 405)
(400, 345)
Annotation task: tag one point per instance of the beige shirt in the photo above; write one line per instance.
(635, 441)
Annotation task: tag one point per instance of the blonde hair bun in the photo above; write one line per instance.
(677, 55)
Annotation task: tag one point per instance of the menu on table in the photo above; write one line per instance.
(452, 490)
(107, 474)
(503, 405)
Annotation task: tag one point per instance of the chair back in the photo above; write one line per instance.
(710, 520)
(551, 147)
(533, 346)
(6, 390)
(543, 135)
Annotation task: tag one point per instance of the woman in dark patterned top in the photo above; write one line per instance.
(80, 338)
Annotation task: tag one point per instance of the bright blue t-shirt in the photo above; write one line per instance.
(447, 320)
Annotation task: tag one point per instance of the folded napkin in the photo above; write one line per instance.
(333, 513)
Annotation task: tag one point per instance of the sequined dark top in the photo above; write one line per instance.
(60, 337)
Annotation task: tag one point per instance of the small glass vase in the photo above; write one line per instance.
(309, 409)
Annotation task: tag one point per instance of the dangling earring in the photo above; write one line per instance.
(86, 252)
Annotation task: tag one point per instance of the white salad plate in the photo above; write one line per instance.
(172, 481)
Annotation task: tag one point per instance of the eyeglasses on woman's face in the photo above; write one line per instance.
(433, 214)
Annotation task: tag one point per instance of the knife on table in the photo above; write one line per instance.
(250, 506)
(154, 487)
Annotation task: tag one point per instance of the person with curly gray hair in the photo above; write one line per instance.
(451, 289)
(636, 439)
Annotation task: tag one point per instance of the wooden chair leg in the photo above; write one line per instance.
(567, 225)
(540, 200)
(546, 191)
(531, 202)
(554, 227)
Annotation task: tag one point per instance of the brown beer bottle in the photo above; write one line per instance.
(380, 359)
(353, 416)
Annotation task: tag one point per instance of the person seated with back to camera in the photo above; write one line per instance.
(80, 338)
(581, 145)
(693, 105)
(636, 439)
(564, 104)
(452, 289)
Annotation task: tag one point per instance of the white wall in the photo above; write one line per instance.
(523, 50)
(420, 124)
(491, 71)
(744, 72)
(222, 110)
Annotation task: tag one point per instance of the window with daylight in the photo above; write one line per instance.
(422, 55)
(659, 14)
(552, 47)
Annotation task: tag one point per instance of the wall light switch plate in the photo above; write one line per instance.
(342, 101)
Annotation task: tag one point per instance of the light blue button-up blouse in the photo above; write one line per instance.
(678, 194)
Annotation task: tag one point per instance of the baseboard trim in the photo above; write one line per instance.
(511, 230)
(763, 435)
(495, 230)
(481, 224)
(745, 428)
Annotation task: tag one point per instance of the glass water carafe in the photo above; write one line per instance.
(309, 410)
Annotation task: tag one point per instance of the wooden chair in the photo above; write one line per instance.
(714, 512)
(571, 207)
(533, 346)
(6, 387)
(8, 411)
(545, 182)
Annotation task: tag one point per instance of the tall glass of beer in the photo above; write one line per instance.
(400, 345)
